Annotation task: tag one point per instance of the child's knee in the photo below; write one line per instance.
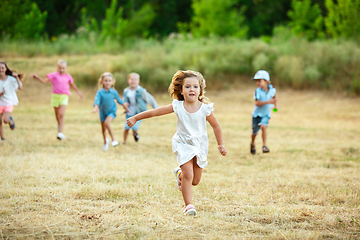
(263, 127)
(187, 175)
(6, 121)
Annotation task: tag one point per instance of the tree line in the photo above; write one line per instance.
(121, 19)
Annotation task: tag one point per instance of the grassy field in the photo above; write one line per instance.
(308, 187)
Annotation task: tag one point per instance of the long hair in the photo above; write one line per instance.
(10, 73)
(101, 85)
(177, 83)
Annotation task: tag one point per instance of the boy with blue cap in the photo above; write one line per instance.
(264, 97)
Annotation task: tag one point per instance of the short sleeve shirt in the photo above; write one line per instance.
(261, 95)
(9, 98)
(60, 82)
(105, 100)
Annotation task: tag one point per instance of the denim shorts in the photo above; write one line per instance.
(257, 122)
(103, 116)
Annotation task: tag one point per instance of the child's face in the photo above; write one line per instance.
(261, 83)
(61, 68)
(107, 82)
(191, 89)
(133, 81)
(2, 69)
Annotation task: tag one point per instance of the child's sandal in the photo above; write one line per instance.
(177, 172)
(265, 149)
(12, 124)
(252, 149)
(190, 210)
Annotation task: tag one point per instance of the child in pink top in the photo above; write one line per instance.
(61, 81)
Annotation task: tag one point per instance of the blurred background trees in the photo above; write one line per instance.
(119, 19)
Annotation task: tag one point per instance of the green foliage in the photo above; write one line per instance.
(116, 27)
(306, 20)
(343, 18)
(219, 18)
(140, 22)
(114, 24)
(11, 11)
(32, 24)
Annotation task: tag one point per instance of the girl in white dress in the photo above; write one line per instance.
(190, 142)
(9, 84)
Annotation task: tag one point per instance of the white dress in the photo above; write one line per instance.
(191, 138)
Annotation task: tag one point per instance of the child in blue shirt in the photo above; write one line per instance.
(137, 98)
(106, 106)
(264, 97)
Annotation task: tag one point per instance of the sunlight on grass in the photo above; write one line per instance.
(307, 187)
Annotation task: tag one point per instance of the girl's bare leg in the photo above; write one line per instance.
(126, 133)
(61, 117)
(56, 109)
(264, 134)
(103, 131)
(7, 117)
(1, 128)
(108, 127)
(190, 175)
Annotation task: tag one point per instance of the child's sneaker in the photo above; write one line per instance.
(114, 143)
(136, 137)
(12, 123)
(190, 210)
(60, 136)
(177, 172)
(106, 145)
(2, 139)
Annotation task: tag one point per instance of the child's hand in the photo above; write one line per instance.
(34, 76)
(126, 104)
(96, 109)
(15, 75)
(131, 121)
(222, 150)
(3, 92)
(80, 95)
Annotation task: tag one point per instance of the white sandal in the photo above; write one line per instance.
(177, 172)
(190, 210)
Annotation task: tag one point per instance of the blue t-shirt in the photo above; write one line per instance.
(105, 100)
(262, 96)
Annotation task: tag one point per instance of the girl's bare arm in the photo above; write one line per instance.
(77, 90)
(16, 76)
(217, 132)
(150, 113)
(42, 80)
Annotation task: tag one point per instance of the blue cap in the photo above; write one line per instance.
(262, 74)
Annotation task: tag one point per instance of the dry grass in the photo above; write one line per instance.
(307, 187)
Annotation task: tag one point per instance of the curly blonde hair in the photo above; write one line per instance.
(101, 85)
(177, 82)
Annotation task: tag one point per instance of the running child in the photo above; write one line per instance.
(264, 98)
(190, 142)
(61, 81)
(9, 84)
(137, 99)
(105, 105)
